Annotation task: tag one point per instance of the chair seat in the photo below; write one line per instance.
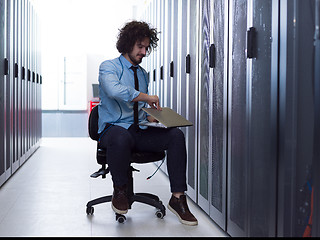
(136, 157)
(146, 157)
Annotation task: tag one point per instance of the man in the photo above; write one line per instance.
(119, 133)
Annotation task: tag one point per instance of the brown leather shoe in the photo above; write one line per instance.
(180, 208)
(120, 199)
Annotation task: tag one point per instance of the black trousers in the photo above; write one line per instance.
(120, 142)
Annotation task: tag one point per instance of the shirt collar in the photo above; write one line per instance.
(125, 62)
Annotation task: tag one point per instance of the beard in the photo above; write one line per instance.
(134, 59)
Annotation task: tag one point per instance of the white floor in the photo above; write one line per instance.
(47, 196)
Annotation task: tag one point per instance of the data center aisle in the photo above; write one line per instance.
(47, 196)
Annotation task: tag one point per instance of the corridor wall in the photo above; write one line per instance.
(243, 71)
(20, 85)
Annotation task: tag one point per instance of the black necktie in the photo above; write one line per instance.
(135, 105)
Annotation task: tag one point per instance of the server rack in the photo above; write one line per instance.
(167, 55)
(297, 116)
(20, 92)
(218, 62)
(205, 103)
(3, 63)
(249, 92)
(181, 53)
(316, 92)
(192, 96)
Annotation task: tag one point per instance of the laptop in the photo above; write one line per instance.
(167, 118)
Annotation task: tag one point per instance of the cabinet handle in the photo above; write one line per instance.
(171, 69)
(6, 66)
(251, 43)
(16, 70)
(23, 74)
(188, 63)
(212, 56)
(161, 72)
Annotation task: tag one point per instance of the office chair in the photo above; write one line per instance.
(136, 157)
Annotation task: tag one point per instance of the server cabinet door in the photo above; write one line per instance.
(205, 89)
(15, 69)
(174, 54)
(192, 97)
(252, 158)
(182, 53)
(19, 83)
(167, 54)
(262, 120)
(23, 83)
(3, 68)
(9, 89)
(218, 56)
(296, 108)
(161, 51)
(237, 124)
(316, 151)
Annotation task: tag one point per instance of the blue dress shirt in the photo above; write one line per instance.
(116, 92)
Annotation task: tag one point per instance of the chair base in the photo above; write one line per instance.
(145, 198)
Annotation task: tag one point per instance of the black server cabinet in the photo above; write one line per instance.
(14, 62)
(316, 150)
(192, 97)
(9, 90)
(23, 81)
(252, 124)
(3, 69)
(160, 27)
(182, 53)
(183, 42)
(167, 56)
(20, 85)
(297, 117)
(218, 55)
(205, 103)
(174, 54)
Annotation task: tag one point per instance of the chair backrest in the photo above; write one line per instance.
(93, 124)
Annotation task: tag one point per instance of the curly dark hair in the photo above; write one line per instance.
(136, 31)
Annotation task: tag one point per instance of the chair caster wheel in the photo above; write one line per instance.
(120, 218)
(160, 214)
(89, 210)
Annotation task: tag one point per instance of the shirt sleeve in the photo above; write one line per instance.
(111, 85)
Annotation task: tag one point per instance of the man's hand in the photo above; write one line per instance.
(152, 119)
(152, 100)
